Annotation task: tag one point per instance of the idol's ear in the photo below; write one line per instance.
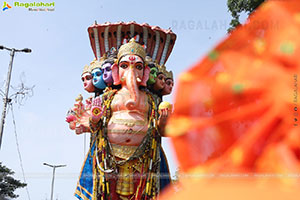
(146, 76)
(115, 74)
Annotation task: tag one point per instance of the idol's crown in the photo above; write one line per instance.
(132, 47)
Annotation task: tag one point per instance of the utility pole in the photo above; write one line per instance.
(6, 99)
(53, 175)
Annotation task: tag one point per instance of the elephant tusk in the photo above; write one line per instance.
(138, 80)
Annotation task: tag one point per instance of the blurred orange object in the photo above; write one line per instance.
(225, 189)
(237, 110)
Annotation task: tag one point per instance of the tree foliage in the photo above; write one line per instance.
(236, 7)
(8, 184)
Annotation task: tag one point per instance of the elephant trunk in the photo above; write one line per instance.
(132, 86)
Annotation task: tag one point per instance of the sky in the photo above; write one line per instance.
(60, 48)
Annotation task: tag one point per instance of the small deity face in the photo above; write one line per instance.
(152, 75)
(107, 74)
(87, 80)
(98, 79)
(131, 67)
(159, 82)
(169, 83)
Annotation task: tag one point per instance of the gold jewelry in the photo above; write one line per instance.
(169, 74)
(94, 64)
(148, 59)
(97, 63)
(127, 131)
(163, 69)
(131, 48)
(129, 122)
(96, 111)
(94, 127)
(86, 69)
(122, 151)
(104, 57)
(79, 98)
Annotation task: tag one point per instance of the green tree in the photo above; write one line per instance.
(8, 184)
(236, 7)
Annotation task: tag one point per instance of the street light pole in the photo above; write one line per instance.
(53, 176)
(6, 99)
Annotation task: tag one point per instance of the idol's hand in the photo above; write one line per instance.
(78, 117)
(71, 119)
(163, 119)
(164, 110)
(88, 103)
(78, 108)
(78, 122)
(96, 113)
(82, 124)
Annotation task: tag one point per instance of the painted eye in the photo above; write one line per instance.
(82, 79)
(124, 66)
(153, 72)
(107, 69)
(169, 82)
(160, 77)
(139, 67)
(98, 73)
(88, 77)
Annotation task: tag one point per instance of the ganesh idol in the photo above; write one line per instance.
(127, 147)
(124, 160)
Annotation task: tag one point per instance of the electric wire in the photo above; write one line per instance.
(18, 149)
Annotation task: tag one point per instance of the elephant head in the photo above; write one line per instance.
(131, 72)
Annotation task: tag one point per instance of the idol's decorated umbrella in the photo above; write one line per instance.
(157, 42)
(236, 119)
